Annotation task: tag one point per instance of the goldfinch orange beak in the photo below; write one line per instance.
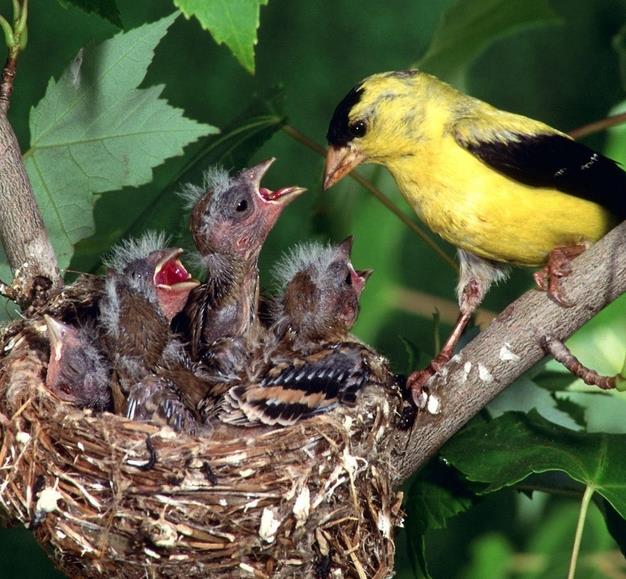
(339, 162)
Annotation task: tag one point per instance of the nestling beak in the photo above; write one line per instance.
(56, 331)
(282, 196)
(170, 274)
(255, 174)
(365, 274)
(173, 283)
(339, 162)
(359, 278)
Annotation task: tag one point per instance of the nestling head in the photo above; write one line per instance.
(76, 370)
(148, 266)
(233, 214)
(320, 290)
(378, 119)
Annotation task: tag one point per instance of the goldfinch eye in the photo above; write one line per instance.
(358, 129)
(242, 205)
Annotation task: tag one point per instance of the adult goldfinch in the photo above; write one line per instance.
(503, 188)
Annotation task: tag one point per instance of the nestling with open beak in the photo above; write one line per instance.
(309, 363)
(77, 371)
(503, 188)
(231, 217)
(146, 286)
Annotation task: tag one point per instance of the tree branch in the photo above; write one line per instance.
(6, 82)
(510, 346)
(561, 353)
(22, 230)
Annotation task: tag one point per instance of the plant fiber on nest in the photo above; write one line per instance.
(109, 497)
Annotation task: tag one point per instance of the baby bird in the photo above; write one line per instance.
(77, 372)
(159, 398)
(309, 363)
(503, 188)
(146, 286)
(171, 393)
(230, 220)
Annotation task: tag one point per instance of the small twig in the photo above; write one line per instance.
(8, 292)
(311, 144)
(208, 473)
(597, 126)
(15, 37)
(563, 354)
(152, 457)
(152, 453)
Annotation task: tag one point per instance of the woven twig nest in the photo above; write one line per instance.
(111, 497)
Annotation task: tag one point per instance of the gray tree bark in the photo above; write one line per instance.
(22, 230)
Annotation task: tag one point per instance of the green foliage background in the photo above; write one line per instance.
(551, 59)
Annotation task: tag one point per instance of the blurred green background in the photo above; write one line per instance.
(561, 68)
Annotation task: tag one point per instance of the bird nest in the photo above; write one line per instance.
(107, 496)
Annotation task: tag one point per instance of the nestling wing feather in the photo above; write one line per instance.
(157, 399)
(301, 387)
(542, 157)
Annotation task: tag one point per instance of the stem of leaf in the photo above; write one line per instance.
(311, 144)
(597, 126)
(8, 31)
(582, 515)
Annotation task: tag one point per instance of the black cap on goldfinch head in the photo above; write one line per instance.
(342, 156)
(354, 121)
(340, 132)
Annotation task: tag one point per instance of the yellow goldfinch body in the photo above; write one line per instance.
(489, 214)
(498, 185)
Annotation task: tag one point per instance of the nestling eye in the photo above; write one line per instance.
(242, 205)
(348, 279)
(358, 129)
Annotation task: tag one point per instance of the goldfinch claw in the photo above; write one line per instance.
(559, 266)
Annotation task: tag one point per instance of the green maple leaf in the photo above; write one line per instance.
(504, 451)
(232, 22)
(95, 131)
